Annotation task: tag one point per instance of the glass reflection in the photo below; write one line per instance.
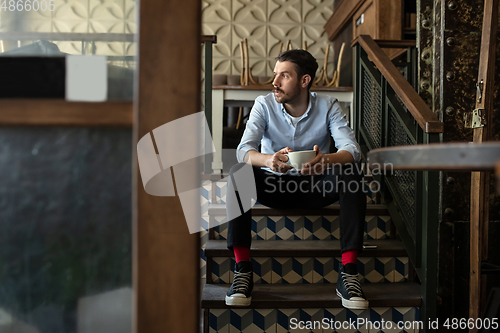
(65, 193)
(56, 28)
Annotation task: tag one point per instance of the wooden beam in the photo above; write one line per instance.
(427, 120)
(341, 16)
(58, 112)
(480, 181)
(166, 261)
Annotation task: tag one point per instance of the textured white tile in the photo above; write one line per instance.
(217, 11)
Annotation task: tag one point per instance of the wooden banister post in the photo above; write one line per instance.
(166, 258)
(479, 217)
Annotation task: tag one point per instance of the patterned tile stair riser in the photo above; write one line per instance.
(312, 270)
(296, 228)
(324, 320)
(306, 227)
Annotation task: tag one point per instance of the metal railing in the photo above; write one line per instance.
(389, 112)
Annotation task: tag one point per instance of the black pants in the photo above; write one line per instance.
(311, 192)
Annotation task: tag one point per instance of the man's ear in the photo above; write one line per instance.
(306, 78)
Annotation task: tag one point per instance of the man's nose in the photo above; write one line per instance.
(276, 81)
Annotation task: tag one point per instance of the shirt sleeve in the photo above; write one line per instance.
(341, 133)
(254, 130)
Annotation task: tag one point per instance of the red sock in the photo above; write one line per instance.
(241, 253)
(349, 257)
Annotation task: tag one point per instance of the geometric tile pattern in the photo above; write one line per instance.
(300, 270)
(288, 320)
(222, 270)
(221, 191)
(306, 227)
(252, 320)
(370, 196)
(292, 270)
(285, 228)
(203, 259)
(220, 230)
(205, 198)
(401, 269)
(262, 270)
(383, 227)
(376, 270)
(322, 228)
(259, 228)
(219, 321)
(320, 320)
(265, 23)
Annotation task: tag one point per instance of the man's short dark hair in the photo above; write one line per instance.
(304, 62)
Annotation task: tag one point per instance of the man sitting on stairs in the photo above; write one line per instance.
(292, 118)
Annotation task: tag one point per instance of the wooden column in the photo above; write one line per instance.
(480, 181)
(166, 256)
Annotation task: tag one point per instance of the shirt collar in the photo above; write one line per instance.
(309, 106)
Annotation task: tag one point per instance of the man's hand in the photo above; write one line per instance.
(278, 161)
(317, 165)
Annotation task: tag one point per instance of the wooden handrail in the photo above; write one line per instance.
(391, 43)
(426, 119)
(395, 44)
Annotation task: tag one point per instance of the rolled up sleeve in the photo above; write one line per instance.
(342, 134)
(255, 127)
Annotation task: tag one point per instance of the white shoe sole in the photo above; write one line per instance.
(353, 305)
(238, 300)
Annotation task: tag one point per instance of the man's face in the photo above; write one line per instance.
(286, 82)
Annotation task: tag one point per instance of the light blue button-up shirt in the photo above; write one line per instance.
(271, 126)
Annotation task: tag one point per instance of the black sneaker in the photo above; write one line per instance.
(240, 292)
(349, 288)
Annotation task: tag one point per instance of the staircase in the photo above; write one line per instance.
(295, 256)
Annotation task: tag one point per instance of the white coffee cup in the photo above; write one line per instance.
(297, 159)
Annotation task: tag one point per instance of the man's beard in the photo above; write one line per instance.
(286, 98)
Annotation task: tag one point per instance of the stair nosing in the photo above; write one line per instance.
(332, 210)
(306, 248)
(277, 296)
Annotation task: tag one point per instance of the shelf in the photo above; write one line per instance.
(270, 87)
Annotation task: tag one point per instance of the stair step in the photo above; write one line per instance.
(306, 248)
(332, 210)
(224, 177)
(281, 296)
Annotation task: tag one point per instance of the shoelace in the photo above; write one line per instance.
(241, 281)
(352, 284)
